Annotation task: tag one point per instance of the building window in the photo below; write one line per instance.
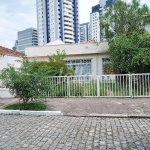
(81, 66)
(107, 66)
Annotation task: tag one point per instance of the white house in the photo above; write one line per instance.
(84, 58)
(10, 57)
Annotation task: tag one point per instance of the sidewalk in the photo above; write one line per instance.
(94, 106)
(87, 106)
(6, 101)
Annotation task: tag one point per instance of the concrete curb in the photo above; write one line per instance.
(59, 113)
(29, 113)
(111, 115)
(10, 112)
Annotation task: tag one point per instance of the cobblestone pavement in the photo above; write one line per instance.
(75, 133)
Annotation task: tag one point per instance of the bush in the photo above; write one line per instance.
(25, 83)
(54, 68)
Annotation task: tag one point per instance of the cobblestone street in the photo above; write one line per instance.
(75, 133)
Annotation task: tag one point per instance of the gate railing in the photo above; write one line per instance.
(118, 85)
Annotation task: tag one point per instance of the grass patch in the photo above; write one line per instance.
(28, 106)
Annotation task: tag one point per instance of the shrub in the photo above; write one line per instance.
(25, 83)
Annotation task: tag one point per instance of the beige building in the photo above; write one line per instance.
(84, 58)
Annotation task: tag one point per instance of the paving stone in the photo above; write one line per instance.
(73, 133)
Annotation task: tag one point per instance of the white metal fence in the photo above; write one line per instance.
(119, 85)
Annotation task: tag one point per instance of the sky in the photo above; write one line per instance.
(17, 15)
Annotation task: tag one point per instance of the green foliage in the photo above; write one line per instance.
(124, 18)
(77, 89)
(28, 106)
(56, 65)
(129, 44)
(30, 81)
(54, 68)
(59, 56)
(131, 54)
(25, 83)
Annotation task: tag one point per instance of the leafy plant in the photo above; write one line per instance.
(59, 56)
(25, 83)
(129, 44)
(123, 18)
(131, 54)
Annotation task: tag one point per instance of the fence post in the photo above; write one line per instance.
(130, 85)
(68, 86)
(98, 89)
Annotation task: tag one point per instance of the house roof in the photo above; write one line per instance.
(7, 51)
(70, 49)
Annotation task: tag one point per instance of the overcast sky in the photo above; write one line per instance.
(17, 15)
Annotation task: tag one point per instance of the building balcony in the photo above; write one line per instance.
(69, 7)
(68, 14)
(68, 19)
(68, 10)
(67, 2)
(69, 36)
(69, 40)
(69, 24)
(68, 32)
(69, 28)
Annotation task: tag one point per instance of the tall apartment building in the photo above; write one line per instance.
(26, 38)
(94, 23)
(97, 12)
(58, 19)
(85, 34)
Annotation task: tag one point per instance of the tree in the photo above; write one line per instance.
(56, 65)
(131, 54)
(25, 83)
(123, 18)
(31, 80)
(124, 28)
(59, 56)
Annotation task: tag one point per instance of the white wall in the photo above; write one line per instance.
(96, 59)
(4, 61)
(73, 52)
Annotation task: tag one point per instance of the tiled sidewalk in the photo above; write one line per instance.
(73, 133)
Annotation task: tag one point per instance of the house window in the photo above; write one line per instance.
(105, 63)
(107, 66)
(80, 66)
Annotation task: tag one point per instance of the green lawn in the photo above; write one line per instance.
(28, 106)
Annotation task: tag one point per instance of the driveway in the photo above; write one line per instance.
(73, 133)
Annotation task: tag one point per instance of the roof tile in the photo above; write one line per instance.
(7, 51)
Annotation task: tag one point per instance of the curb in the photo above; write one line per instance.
(111, 115)
(29, 113)
(59, 113)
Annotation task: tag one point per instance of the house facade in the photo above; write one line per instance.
(83, 58)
